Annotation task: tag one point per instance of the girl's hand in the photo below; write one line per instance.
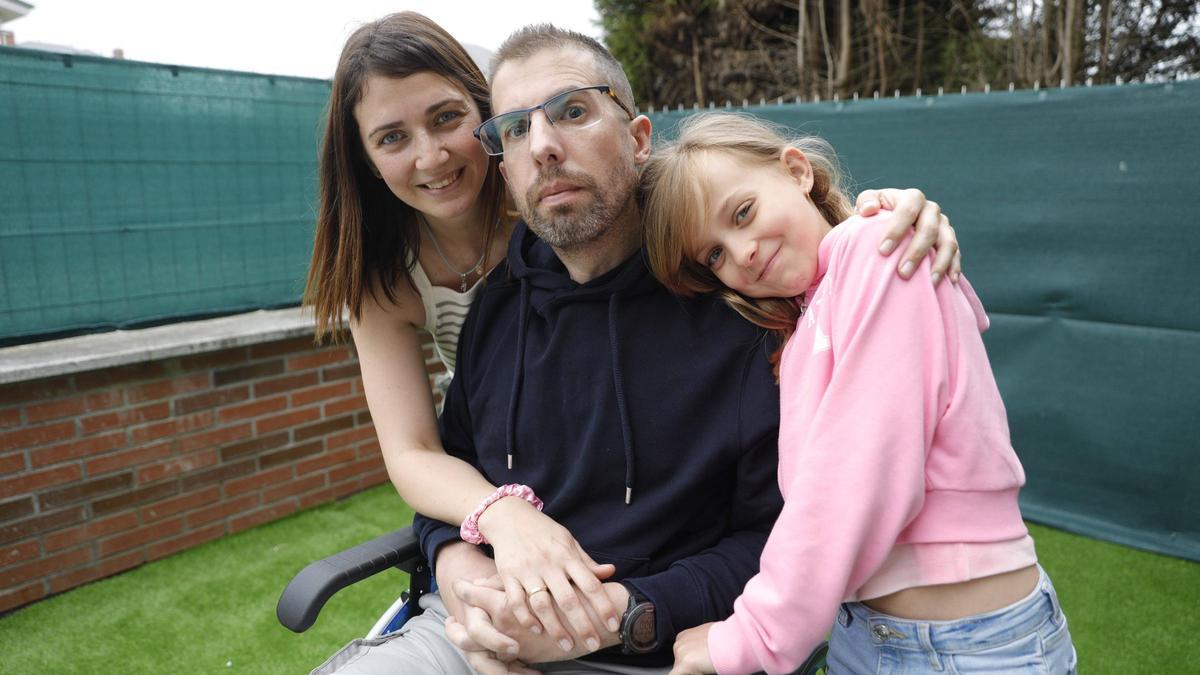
(911, 210)
(691, 652)
(541, 566)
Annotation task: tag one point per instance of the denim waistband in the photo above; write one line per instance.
(967, 634)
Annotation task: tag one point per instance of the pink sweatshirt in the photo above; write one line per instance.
(894, 455)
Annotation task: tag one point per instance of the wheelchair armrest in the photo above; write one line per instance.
(309, 590)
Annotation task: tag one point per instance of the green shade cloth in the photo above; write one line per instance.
(133, 193)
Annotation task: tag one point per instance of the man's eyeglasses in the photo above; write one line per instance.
(575, 109)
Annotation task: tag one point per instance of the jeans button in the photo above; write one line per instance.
(881, 632)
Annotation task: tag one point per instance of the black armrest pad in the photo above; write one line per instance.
(309, 590)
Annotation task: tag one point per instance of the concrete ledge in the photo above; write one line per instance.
(116, 348)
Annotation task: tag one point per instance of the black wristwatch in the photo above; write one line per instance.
(639, 633)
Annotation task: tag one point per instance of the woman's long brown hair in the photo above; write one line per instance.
(365, 234)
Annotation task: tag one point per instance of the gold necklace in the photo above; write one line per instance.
(477, 268)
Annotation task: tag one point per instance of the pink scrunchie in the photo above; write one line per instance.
(470, 526)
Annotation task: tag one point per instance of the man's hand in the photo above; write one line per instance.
(911, 209)
(489, 625)
(691, 652)
(544, 568)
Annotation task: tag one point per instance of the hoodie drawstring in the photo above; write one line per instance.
(619, 385)
(518, 372)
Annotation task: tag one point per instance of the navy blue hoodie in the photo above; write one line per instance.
(647, 424)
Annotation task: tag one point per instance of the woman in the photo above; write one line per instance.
(410, 222)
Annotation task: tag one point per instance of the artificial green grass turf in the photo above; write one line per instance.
(212, 609)
(196, 612)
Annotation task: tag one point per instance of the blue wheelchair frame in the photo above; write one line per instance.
(307, 592)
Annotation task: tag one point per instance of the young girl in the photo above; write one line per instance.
(900, 526)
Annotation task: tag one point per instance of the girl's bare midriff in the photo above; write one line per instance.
(947, 602)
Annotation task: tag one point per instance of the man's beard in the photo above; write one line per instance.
(573, 226)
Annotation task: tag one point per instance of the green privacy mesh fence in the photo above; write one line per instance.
(133, 192)
(136, 192)
(1074, 210)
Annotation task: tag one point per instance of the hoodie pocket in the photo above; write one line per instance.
(627, 566)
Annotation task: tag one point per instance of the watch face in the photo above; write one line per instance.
(643, 629)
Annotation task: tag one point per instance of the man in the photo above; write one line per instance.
(646, 423)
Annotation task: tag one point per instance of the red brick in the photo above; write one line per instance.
(10, 417)
(64, 452)
(125, 418)
(180, 504)
(42, 523)
(104, 568)
(254, 446)
(120, 460)
(321, 393)
(17, 508)
(80, 491)
(21, 596)
(50, 410)
(177, 465)
(19, 574)
(255, 408)
(31, 481)
(27, 437)
(281, 347)
(251, 371)
(288, 419)
(318, 497)
(289, 454)
(138, 497)
(217, 474)
(325, 461)
(171, 427)
(326, 357)
(35, 390)
(347, 488)
(11, 554)
(214, 438)
(93, 530)
(345, 405)
(350, 370)
(369, 449)
(103, 400)
(288, 383)
(211, 399)
(364, 417)
(210, 360)
(106, 377)
(377, 477)
(323, 428)
(257, 480)
(356, 435)
(163, 388)
(221, 511)
(356, 469)
(13, 461)
(293, 488)
(189, 540)
(263, 516)
(141, 536)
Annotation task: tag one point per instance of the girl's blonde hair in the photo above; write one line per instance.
(674, 203)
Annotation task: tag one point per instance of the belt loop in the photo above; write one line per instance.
(844, 617)
(927, 644)
(1047, 589)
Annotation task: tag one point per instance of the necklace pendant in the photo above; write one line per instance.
(462, 285)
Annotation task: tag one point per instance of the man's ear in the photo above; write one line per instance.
(798, 167)
(640, 128)
(504, 171)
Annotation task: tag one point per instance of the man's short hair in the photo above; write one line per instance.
(537, 37)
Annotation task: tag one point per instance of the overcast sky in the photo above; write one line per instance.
(270, 36)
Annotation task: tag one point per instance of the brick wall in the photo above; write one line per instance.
(102, 471)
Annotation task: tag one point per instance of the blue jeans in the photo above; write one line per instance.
(1029, 636)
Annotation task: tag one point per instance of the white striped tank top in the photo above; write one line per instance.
(445, 311)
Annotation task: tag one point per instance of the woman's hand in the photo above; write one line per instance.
(691, 652)
(912, 210)
(541, 565)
